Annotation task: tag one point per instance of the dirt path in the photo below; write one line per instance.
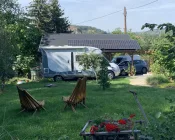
(139, 80)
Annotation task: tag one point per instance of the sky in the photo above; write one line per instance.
(78, 11)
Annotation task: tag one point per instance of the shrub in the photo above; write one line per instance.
(22, 64)
(103, 74)
(90, 61)
(157, 79)
(14, 80)
(131, 70)
(158, 69)
(162, 126)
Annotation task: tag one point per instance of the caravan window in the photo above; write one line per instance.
(78, 58)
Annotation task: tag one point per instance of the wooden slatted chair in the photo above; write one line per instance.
(78, 95)
(28, 103)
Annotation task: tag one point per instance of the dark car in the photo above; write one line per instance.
(140, 67)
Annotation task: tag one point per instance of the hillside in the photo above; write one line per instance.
(154, 32)
(86, 30)
(92, 30)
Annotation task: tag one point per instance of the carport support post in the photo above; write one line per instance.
(132, 64)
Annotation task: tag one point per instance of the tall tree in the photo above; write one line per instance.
(7, 53)
(40, 15)
(59, 24)
(18, 31)
(164, 48)
(48, 16)
(9, 14)
(168, 27)
(9, 11)
(26, 36)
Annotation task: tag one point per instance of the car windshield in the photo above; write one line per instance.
(123, 63)
(117, 60)
(113, 60)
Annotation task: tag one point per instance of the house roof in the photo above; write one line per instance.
(102, 41)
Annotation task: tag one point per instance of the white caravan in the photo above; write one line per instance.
(63, 62)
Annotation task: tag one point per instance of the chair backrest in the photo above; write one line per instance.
(27, 101)
(79, 92)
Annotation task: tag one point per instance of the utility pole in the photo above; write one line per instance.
(125, 31)
(125, 24)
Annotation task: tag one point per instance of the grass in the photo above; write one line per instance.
(167, 85)
(55, 123)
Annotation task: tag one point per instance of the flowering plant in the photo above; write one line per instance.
(112, 126)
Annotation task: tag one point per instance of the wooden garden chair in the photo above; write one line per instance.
(78, 95)
(28, 103)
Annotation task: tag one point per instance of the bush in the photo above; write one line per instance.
(22, 64)
(157, 79)
(162, 126)
(131, 70)
(103, 74)
(14, 80)
(159, 69)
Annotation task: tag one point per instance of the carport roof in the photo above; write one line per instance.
(105, 42)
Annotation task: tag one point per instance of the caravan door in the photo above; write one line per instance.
(59, 61)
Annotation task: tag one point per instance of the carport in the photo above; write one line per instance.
(108, 43)
(110, 46)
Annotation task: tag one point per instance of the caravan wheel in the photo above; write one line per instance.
(57, 78)
(111, 75)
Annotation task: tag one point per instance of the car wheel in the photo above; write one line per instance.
(111, 75)
(144, 70)
(123, 73)
(57, 78)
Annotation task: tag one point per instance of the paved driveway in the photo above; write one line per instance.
(139, 80)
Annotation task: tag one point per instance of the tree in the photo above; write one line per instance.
(7, 53)
(40, 15)
(48, 16)
(9, 11)
(103, 74)
(90, 61)
(117, 31)
(132, 35)
(58, 23)
(22, 35)
(23, 64)
(168, 27)
(99, 64)
(26, 37)
(164, 49)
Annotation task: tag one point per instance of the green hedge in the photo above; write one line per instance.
(157, 80)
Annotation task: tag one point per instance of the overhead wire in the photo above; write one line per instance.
(117, 12)
(143, 5)
(100, 17)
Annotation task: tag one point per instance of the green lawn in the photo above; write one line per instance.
(55, 122)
